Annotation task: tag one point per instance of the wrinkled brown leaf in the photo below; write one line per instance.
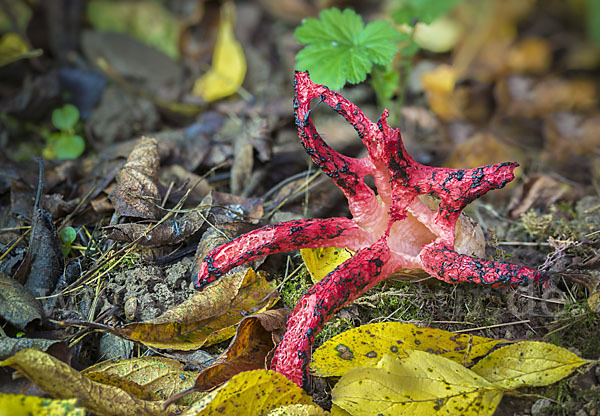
(230, 208)
(63, 382)
(137, 193)
(44, 262)
(17, 304)
(169, 232)
(255, 338)
(148, 378)
(539, 191)
(207, 317)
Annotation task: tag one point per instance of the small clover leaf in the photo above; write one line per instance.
(69, 146)
(340, 48)
(66, 117)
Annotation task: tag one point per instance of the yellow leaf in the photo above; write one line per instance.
(250, 393)
(322, 261)
(207, 317)
(439, 36)
(19, 405)
(364, 346)
(228, 65)
(149, 378)
(63, 382)
(147, 21)
(13, 48)
(298, 410)
(446, 102)
(528, 363)
(420, 384)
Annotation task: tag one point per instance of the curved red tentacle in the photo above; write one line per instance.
(447, 265)
(347, 282)
(277, 238)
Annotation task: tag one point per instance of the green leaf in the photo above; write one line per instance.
(69, 147)
(384, 81)
(340, 48)
(68, 235)
(66, 117)
(426, 11)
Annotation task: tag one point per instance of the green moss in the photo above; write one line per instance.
(332, 328)
(292, 289)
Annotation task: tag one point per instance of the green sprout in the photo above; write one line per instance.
(65, 143)
(67, 236)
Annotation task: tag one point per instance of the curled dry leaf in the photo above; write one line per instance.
(255, 338)
(148, 378)
(44, 262)
(539, 191)
(63, 382)
(169, 232)
(137, 193)
(17, 305)
(208, 317)
(10, 346)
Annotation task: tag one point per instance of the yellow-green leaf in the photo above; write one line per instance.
(149, 378)
(250, 393)
(322, 261)
(364, 346)
(63, 382)
(528, 363)
(13, 48)
(420, 384)
(147, 21)
(298, 410)
(17, 404)
(207, 317)
(229, 64)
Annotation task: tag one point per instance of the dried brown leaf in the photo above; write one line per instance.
(255, 338)
(17, 305)
(63, 382)
(137, 193)
(207, 317)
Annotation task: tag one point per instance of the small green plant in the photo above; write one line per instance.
(341, 49)
(67, 236)
(65, 143)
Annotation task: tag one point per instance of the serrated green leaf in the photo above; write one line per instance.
(340, 48)
(65, 118)
(69, 147)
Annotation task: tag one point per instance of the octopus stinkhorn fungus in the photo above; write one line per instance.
(389, 231)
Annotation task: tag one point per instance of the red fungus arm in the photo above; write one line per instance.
(277, 238)
(446, 264)
(347, 282)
